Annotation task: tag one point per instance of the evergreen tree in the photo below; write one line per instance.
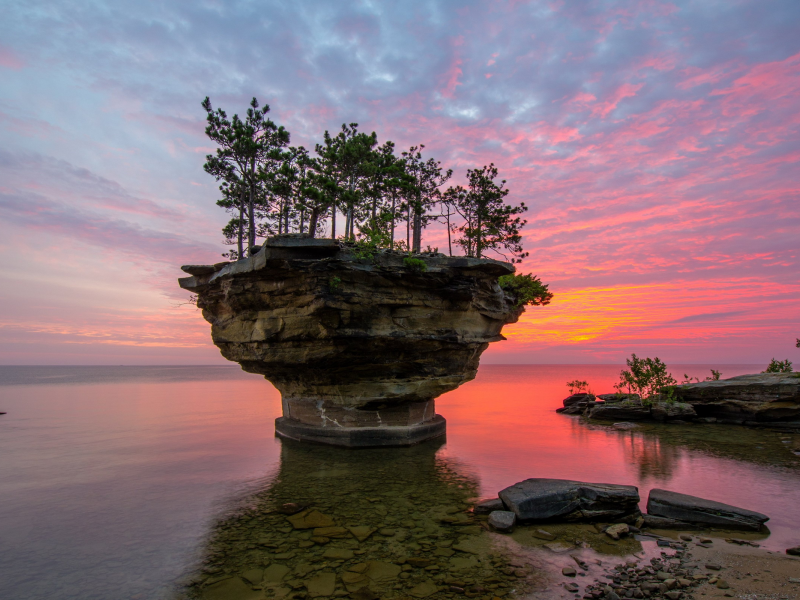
(428, 177)
(490, 223)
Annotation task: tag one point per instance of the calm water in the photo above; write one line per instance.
(114, 479)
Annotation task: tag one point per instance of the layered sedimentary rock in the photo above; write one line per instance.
(763, 397)
(359, 347)
(561, 499)
(699, 511)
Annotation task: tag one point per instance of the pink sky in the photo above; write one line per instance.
(657, 146)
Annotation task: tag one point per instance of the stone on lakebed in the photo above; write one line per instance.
(488, 506)
(672, 505)
(549, 499)
(502, 520)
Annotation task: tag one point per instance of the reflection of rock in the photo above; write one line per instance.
(761, 397)
(401, 519)
(358, 348)
(672, 505)
(562, 499)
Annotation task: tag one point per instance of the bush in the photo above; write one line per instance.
(334, 283)
(779, 366)
(415, 264)
(647, 377)
(577, 386)
(525, 289)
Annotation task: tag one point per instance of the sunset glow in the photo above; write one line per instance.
(656, 145)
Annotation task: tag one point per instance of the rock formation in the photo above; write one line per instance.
(762, 397)
(699, 511)
(358, 347)
(561, 499)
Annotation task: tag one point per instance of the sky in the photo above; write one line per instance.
(656, 144)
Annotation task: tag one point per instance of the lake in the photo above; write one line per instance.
(114, 480)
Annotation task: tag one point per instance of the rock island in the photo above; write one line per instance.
(359, 348)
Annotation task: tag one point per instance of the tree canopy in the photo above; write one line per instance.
(270, 187)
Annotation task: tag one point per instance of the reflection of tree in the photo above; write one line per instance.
(654, 459)
(400, 502)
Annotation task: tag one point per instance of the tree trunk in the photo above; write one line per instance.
(241, 223)
(333, 220)
(391, 245)
(417, 231)
(312, 222)
(251, 226)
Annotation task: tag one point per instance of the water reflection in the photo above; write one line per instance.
(391, 522)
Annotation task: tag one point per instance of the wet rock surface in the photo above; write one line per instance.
(548, 499)
(354, 343)
(699, 511)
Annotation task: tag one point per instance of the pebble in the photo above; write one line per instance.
(571, 587)
(713, 566)
(569, 572)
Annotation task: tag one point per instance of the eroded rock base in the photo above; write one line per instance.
(361, 437)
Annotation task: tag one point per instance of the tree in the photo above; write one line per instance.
(427, 176)
(525, 289)
(778, 366)
(490, 223)
(245, 147)
(645, 376)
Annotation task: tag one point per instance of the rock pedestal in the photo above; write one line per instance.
(359, 347)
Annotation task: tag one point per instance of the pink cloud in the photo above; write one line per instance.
(9, 59)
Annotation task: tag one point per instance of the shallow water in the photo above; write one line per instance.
(118, 482)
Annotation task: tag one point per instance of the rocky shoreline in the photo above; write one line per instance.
(760, 400)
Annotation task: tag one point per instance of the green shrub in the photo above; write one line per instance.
(647, 377)
(525, 289)
(577, 386)
(415, 264)
(334, 283)
(779, 366)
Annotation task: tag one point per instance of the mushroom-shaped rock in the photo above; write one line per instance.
(358, 347)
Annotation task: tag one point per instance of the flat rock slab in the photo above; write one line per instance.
(310, 519)
(760, 397)
(321, 585)
(502, 520)
(620, 412)
(488, 506)
(682, 507)
(563, 499)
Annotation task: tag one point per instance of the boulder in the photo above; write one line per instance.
(617, 531)
(672, 505)
(793, 551)
(578, 399)
(562, 499)
(664, 411)
(760, 397)
(502, 520)
(654, 522)
(487, 506)
(622, 411)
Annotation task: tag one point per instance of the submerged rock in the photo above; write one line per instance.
(549, 499)
(359, 348)
(654, 522)
(672, 505)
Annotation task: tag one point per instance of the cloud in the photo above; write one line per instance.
(655, 143)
